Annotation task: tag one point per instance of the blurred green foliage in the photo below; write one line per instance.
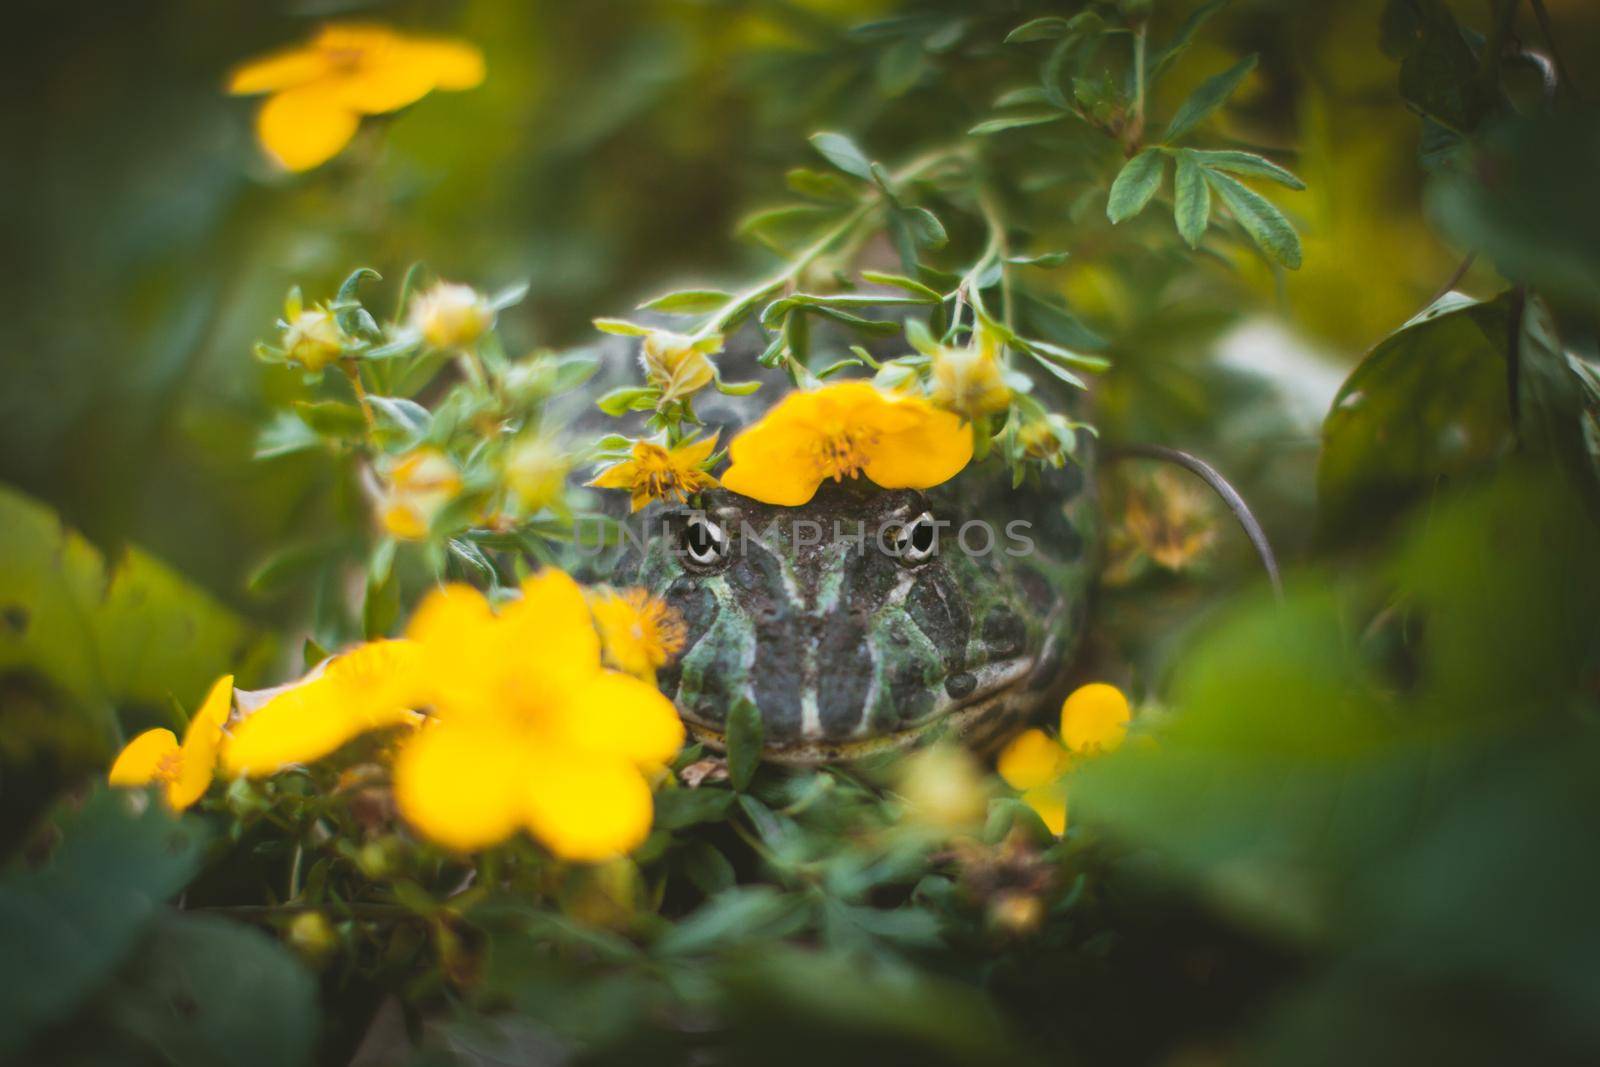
(1357, 826)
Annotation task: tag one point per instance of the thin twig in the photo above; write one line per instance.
(1545, 28)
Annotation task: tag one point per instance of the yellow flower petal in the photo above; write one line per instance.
(453, 65)
(620, 716)
(304, 127)
(136, 764)
(278, 70)
(1095, 718)
(463, 786)
(841, 431)
(1049, 802)
(929, 452)
(384, 83)
(587, 808)
(197, 762)
(1032, 759)
(368, 688)
(551, 636)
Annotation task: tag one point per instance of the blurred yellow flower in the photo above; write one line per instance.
(370, 687)
(1033, 764)
(417, 486)
(970, 380)
(321, 89)
(1095, 718)
(677, 364)
(530, 730)
(841, 431)
(944, 789)
(185, 770)
(656, 473)
(451, 315)
(535, 471)
(638, 633)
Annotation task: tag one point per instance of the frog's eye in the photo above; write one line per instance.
(916, 541)
(704, 542)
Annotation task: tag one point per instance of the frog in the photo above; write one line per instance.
(872, 620)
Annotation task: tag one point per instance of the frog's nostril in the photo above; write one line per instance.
(961, 685)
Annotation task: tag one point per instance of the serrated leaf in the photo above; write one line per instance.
(843, 153)
(1212, 94)
(688, 302)
(1260, 218)
(1247, 163)
(745, 734)
(1135, 184)
(1192, 206)
(1011, 122)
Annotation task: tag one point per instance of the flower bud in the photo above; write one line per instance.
(970, 381)
(451, 315)
(1047, 439)
(311, 936)
(677, 364)
(418, 486)
(312, 338)
(536, 473)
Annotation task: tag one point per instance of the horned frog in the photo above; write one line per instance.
(870, 618)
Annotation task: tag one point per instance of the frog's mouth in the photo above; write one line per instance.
(1002, 693)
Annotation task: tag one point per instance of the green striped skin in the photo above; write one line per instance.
(846, 649)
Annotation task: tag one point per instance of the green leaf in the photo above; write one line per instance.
(1192, 208)
(678, 809)
(1043, 259)
(629, 398)
(621, 327)
(1212, 94)
(745, 734)
(350, 316)
(1181, 39)
(1260, 218)
(510, 296)
(688, 302)
(129, 631)
(68, 923)
(1136, 183)
(736, 388)
(822, 185)
(1246, 163)
(929, 231)
(900, 67)
(740, 915)
(1011, 122)
(900, 281)
(843, 153)
(204, 990)
(707, 868)
(332, 418)
(1040, 29)
(1439, 68)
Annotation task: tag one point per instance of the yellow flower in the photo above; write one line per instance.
(451, 315)
(419, 485)
(970, 381)
(185, 770)
(678, 364)
(311, 336)
(638, 632)
(1033, 764)
(656, 473)
(536, 473)
(368, 688)
(321, 89)
(530, 730)
(1095, 718)
(841, 431)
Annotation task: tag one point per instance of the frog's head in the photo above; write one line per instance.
(855, 623)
